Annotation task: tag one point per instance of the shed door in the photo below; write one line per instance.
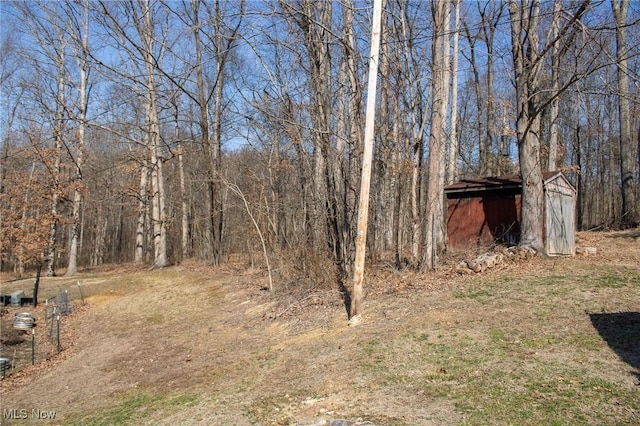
(559, 223)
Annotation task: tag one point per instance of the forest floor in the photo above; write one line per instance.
(539, 341)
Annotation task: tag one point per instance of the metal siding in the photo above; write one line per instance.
(479, 221)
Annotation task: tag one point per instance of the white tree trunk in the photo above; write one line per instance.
(58, 135)
(452, 165)
(183, 189)
(83, 65)
(139, 255)
(158, 211)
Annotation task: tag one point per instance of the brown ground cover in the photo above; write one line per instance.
(541, 341)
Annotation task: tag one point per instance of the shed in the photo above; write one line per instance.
(486, 210)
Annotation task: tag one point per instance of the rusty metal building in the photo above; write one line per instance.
(486, 211)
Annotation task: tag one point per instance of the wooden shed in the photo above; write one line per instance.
(484, 211)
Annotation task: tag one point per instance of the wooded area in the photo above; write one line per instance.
(155, 131)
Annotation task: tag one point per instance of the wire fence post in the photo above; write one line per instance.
(33, 346)
(81, 293)
(58, 332)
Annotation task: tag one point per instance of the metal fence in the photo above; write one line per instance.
(31, 335)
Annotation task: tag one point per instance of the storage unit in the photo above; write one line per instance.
(486, 211)
(559, 216)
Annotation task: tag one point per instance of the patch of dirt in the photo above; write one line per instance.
(249, 356)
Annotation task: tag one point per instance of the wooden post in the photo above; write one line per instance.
(36, 285)
(367, 157)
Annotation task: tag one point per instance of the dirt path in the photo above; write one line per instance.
(175, 332)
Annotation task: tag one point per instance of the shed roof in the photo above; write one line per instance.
(496, 183)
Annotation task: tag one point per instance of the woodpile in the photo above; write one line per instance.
(586, 251)
(492, 259)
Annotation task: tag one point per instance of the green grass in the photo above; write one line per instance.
(133, 407)
(492, 350)
(527, 369)
(616, 279)
(475, 294)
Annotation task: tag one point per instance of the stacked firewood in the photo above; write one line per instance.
(492, 259)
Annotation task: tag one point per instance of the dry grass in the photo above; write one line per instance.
(548, 341)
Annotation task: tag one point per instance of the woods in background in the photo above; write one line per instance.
(156, 131)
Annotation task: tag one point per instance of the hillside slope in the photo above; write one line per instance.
(536, 342)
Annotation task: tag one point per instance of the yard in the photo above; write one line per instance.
(540, 341)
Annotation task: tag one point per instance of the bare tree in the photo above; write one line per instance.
(215, 31)
(80, 40)
(437, 136)
(630, 210)
(185, 241)
(414, 97)
(145, 28)
(555, 85)
(490, 19)
(146, 49)
(452, 164)
(10, 97)
(527, 61)
(152, 145)
(46, 25)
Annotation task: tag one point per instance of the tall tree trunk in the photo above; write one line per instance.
(83, 63)
(139, 255)
(452, 165)
(554, 109)
(348, 141)
(203, 122)
(489, 25)
(580, 187)
(418, 120)
(524, 40)
(158, 199)
(433, 218)
(23, 222)
(158, 211)
(482, 153)
(628, 149)
(222, 41)
(184, 200)
(102, 224)
(440, 230)
(314, 19)
(217, 196)
(58, 135)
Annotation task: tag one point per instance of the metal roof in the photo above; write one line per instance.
(495, 183)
